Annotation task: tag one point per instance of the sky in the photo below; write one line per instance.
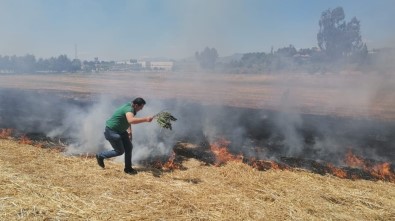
(176, 29)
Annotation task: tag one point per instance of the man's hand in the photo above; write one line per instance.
(149, 119)
(129, 130)
(130, 135)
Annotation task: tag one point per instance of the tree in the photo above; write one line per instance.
(5, 64)
(336, 38)
(207, 58)
(75, 65)
(88, 66)
(63, 64)
(354, 40)
(27, 64)
(287, 51)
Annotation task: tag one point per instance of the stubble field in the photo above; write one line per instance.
(44, 184)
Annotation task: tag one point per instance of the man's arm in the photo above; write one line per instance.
(136, 120)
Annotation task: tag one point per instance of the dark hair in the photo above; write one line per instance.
(139, 101)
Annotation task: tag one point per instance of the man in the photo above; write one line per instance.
(118, 132)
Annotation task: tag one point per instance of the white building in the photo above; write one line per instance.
(150, 65)
(143, 64)
(161, 65)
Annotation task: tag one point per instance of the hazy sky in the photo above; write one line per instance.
(125, 29)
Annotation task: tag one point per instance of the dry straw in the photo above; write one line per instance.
(42, 184)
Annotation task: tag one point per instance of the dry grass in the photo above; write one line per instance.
(43, 184)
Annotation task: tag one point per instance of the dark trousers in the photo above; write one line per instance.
(121, 144)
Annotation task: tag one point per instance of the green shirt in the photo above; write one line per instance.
(118, 121)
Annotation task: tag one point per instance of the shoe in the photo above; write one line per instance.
(100, 161)
(130, 171)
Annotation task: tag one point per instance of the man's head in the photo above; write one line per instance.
(138, 104)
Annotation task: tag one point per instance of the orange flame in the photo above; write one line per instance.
(336, 171)
(354, 161)
(170, 164)
(25, 140)
(264, 164)
(380, 171)
(222, 155)
(5, 133)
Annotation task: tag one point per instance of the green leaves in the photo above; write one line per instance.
(164, 119)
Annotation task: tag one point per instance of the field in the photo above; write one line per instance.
(355, 95)
(42, 184)
(45, 184)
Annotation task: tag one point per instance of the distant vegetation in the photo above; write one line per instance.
(339, 47)
(29, 64)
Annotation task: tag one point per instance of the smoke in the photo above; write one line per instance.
(310, 116)
(287, 122)
(85, 127)
(80, 122)
(31, 111)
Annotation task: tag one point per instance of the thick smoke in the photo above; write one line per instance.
(84, 126)
(80, 122)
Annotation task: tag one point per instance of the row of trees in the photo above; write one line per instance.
(29, 64)
(291, 59)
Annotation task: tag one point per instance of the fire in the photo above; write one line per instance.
(25, 140)
(222, 155)
(353, 161)
(264, 164)
(170, 164)
(5, 133)
(380, 171)
(336, 171)
(220, 149)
